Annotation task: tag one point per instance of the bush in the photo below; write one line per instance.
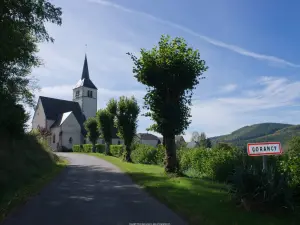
(216, 164)
(144, 154)
(160, 155)
(262, 191)
(77, 148)
(117, 150)
(65, 149)
(100, 148)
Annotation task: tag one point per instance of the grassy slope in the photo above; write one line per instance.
(25, 167)
(199, 201)
(259, 133)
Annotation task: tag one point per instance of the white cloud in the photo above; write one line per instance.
(228, 88)
(223, 115)
(234, 48)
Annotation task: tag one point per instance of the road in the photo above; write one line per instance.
(91, 191)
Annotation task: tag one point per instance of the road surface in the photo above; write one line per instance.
(91, 191)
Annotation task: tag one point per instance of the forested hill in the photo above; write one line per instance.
(260, 133)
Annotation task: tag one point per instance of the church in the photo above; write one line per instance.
(64, 119)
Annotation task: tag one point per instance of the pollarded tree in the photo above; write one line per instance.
(171, 72)
(91, 127)
(126, 122)
(104, 119)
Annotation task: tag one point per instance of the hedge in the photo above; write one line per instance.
(146, 154)
(87, 148)
(117, 150)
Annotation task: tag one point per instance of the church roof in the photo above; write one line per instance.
(55, 108)
(85, 80)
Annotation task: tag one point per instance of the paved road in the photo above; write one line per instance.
(91, 191)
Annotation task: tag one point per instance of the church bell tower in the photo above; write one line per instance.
(85, 93)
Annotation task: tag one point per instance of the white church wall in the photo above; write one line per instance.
(49, 123)
(71, 129)
(39, 117)
(89, 103)
(55, 138)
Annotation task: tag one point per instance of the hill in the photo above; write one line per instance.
(260, 133)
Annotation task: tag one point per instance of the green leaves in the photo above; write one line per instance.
(105, 123)
(170, 71)
(92, 128)
(126, 121)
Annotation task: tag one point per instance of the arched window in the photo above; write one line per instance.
(70, 140)
(53, 138)
(119, 142)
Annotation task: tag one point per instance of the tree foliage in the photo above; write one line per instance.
(126, 122)
(22, 28)
(92, 130)
(105, 125)
(106, 118)
(171, 72)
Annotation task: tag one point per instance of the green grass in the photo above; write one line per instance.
(26, 166)
(198, 201)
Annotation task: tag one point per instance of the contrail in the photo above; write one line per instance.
(234, 48)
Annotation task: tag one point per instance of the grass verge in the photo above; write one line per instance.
(198, 201)
(20, 196)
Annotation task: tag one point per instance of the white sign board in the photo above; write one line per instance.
(264, 148)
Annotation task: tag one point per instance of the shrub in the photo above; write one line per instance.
(160, 155)
(262, 191)
(117, 150)
(87, 148)
(65, 149)
(144, 154)
(100, 148)
(216, 164)
(77, 148)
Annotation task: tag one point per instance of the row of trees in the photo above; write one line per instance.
(170, 71)
(122, 115)
(22, 28)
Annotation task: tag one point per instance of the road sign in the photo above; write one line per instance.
(264, 148)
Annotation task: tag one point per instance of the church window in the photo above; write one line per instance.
(77, 94)
(53, 138)
(119, 142)
(90, 94)
(70, 140)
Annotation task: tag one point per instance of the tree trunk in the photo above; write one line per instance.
(107, 149)
(127, 154)
(94, 148)
(171, 160)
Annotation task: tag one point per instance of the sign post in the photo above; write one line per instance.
(264, 149)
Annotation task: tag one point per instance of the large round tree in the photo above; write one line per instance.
(170, 71)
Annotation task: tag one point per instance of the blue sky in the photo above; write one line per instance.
(251, 48)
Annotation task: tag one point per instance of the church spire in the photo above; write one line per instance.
(85, 71)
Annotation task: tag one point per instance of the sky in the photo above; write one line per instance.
(250, 48)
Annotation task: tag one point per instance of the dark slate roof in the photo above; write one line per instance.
(146, 136)
(85, 80)
(55, 108)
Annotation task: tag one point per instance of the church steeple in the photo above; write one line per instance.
(85, 93)
(85, 71)
(85, 80)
